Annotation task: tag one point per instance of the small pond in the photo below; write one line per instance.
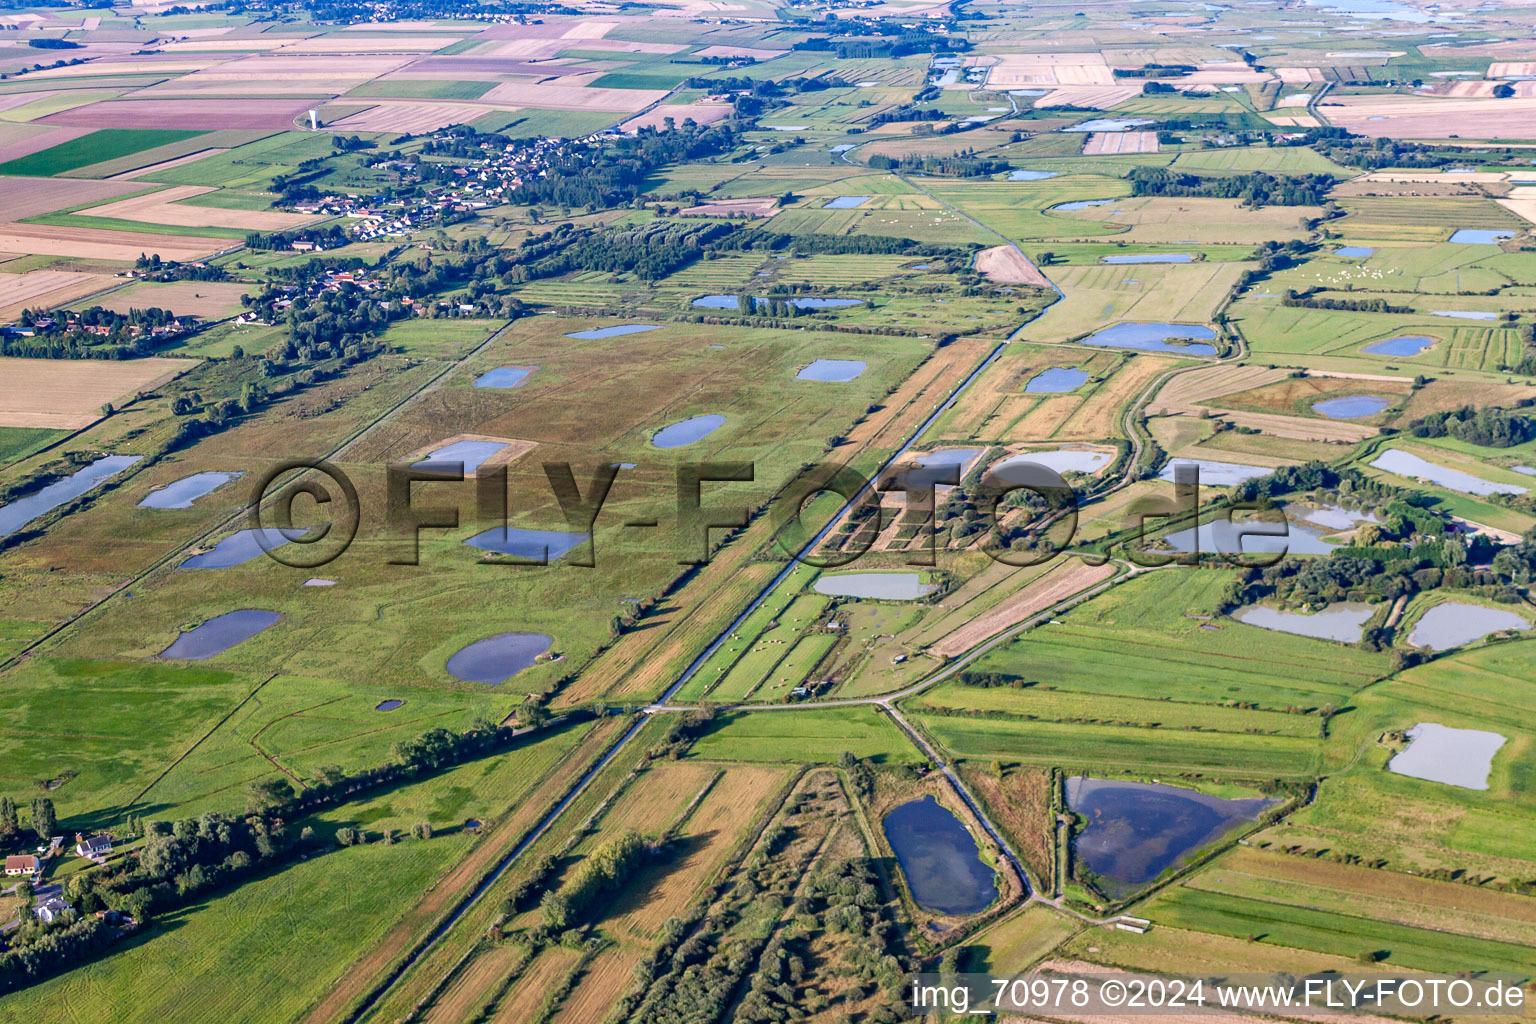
(1216, 474)
(616, 331)
(734, 302)
(1081, 204)
(1454, 623)
(847, 202)
(18, 513)
(1480, 236)
(686, 432)
(504, 377)
(1344, 621)
(1355, 252)
(1402, 345)
(885, 586)
(388, 705)
(1334, 517)
(1056, 380)
(1456, 757)
(238, 548)
(1149, 257)
(470, 453)
(1527, 470)
(1395, 460)
(1222, 536)
(1137, 830)
(1062, 460)
(188, 489)
(220, 633)
(1026, 175)
(935, 467)
(1109, 124)
(1155, 337)
(940, 860)
(1349, 407)
(498, 658)
(535, 545)
(833, 371)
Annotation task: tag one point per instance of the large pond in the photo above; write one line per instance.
(1456, 757)
(1024, 175)
(23, 510)
(1216, 474)
(936, 466)
(1454, 623)
(1334, 517)
(686, 432)
(1402, 345)
(1056, 380)
(1062, 460)
(1137, 830)
(1480, 236)
(238, 548)
(1222, 536)
(886, 586)
(470, 453)
(1109, 124)
(734, 302)
(1343, 622)
(1355, 252)
(1394, 460)
(498, 658)
(505, 377)
(847, 202)
(616, 331)
(1150, 257)
(188, 489)
(940, 860)
(1080, 204)
(220, 633)
(1155, 337)
(536, 545)
(1464, 314)
(1349, 407)
(833, 371)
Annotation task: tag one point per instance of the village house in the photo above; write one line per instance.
(25, 864)
(96, 847)
(51, 909)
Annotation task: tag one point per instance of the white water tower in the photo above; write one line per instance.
(314, 120)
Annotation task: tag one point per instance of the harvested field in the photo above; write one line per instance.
(1498, 69)
(656, 798)
(573, 97)
(19, 140)
(415, 118)
(1099, 97)
(1102, 143)
(29, 197)
(47, 289)
(358, 45)
(601, 983)
(164, 207)
(185, 114)
(211, 300)
(1293, 120)
(1188, 392)
(530, 992)
(95, 243)
(1523, 90)
(67, 394)
(1415, 117)
(1007, 265)
(733, 207)
(701, 113)
(468, 992)
(711, 831)
(1061, 582)
(1015, 70)
(1301, 76)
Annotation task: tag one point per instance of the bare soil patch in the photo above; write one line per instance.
(1062, 582)
(99, 244)
(67, 394)
(1007, 265)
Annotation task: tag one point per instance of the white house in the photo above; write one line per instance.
(51, 909)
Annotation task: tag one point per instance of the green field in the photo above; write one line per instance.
(443, 89)
(807, 735)
(94, 148)
(17, 443)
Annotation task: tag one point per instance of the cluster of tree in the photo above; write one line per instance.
(992, 680)
(1343, 147)
(613, 172)
(44, 822)
(908, 112)
(749, 239)
(155, 269)
(604, 871)
(331, 237)
(906, 43)
(50, 43)
(1308, 299)
(960, 165)
(1490, 427)
(179, 862)
(1255, 189)
(350, 143)
(1156, 71)
(650, 251)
